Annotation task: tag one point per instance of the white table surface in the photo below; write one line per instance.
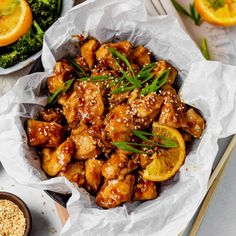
(219, 220)
(44, 214)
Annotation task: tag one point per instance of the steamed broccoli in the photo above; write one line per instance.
(27, 45)
(45, 13)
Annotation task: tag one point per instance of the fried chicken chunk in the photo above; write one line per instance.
(88, 51)
(172, 112)
(119, 123)
(114, 192)
(82, 63)
(146, 109)
(44, 133)
(144, 189)
(62, 73)
(74, 172)
(103, 54)
(114, 166)
(86, 102)
(140, 56)
(117, 166)
(52, 115)
(195, 123)
(93, 174)
(55, 161)
(163, 65)
(86, 141)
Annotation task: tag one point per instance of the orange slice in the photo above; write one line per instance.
(222, 16)
(15, 20)
(167, 162)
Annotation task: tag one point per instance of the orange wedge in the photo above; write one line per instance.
(224, 15)
(15, 20)
(168, 161)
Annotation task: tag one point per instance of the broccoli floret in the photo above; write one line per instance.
(8, 59)
(45, 11)
(27, 45)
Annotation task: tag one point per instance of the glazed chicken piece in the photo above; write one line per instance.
(140, 56)
(52, 115)
(195, 123)
(47, 134)
(119, 123)
(117, 166)
(118, 98)
(86, 102)
(163, 65)
(168, 89)
(88, 51)
(144, 189)
(93, 174)
(114, 192)
(172, 112)
(74, 172)
(146, 109)
(114, 166)
(144, 159)
(82, 63)
(55, 161)
(87, 142)
(62, 73)
(103, 54)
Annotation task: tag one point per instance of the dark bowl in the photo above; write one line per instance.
(62, 199)
(23, 208)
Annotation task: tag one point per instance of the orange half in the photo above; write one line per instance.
(222, 16)
(15, 20)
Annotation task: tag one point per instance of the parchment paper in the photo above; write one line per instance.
(208, 86)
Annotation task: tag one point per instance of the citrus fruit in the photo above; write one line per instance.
(15, 20)
(167, 161)
(217, 12)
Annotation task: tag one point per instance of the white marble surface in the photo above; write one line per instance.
(45, 220)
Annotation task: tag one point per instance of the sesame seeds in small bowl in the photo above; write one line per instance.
(15, 218)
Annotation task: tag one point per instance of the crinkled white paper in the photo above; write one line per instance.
(209, 86)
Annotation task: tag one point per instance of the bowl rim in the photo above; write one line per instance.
(23, 207)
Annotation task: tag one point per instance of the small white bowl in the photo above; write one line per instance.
(66, 6)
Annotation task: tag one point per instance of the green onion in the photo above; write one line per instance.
(160, 80)
(96, 78)
(216, 4)
(76, 66)
(166, 142)
(123, 89)
(141, 134)
(67, 85)
(180, 9)
(54, 95)
(62, 89)
(194, 15)
(204, 49)
(133, 80)
(146, 70)
(115, 53)
(147, 78)
(126, 146)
